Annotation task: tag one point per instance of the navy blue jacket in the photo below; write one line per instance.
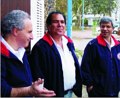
(46, 63)
(101, 67)
(14, 73)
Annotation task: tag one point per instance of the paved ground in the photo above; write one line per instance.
(81, 38)
(86, 34)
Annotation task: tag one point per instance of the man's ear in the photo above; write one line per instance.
(15, 31)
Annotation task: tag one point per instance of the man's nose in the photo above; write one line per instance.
(105, 28)
(59, 23)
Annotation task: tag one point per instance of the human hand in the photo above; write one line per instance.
(47, 93)
(36, 89)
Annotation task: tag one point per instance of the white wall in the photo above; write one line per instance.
(37, 17)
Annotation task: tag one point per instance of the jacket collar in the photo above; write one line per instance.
(102, 42)
(4, 50)
(48, 39)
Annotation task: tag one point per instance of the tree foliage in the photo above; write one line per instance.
(93, 6)
(61, 5)
(104, 7)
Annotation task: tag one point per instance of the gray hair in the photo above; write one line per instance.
(107, 19)
(14, 19)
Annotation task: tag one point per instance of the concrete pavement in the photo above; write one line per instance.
(81, 38)
(88, 34)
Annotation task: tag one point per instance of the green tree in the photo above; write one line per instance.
(77, 12)
(104, 7)
(61, 5)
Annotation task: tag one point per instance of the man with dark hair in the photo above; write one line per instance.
(16, 78)
(101, 63)
(54, 56)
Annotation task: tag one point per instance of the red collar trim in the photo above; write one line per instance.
(4, 50)
(101, 41)
(116, 41)
(69, 40)
(48, 39)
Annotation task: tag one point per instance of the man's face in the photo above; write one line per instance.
(106, 29)
(57, 27)
(25, 36)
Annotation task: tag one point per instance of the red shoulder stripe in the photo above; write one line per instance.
(4, 50)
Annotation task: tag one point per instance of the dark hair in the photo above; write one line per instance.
(15, 18)
(106, 19)
(48, 20)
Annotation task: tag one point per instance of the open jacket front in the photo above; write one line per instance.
(46, 62)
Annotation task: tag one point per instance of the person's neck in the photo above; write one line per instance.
(109, 40)
(58, 40)
(12, 42)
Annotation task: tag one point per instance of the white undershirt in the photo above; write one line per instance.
(19, 54)
(110, 45)
(67, 64)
